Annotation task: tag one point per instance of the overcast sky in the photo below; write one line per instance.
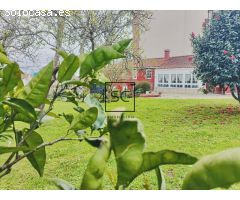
(171, 30)
(167, 30)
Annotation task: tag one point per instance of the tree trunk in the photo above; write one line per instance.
(236, 96)
(59, 42)
(222, 89)
(92, 44)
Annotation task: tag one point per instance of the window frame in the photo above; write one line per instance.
(146, 73)
(176, 77)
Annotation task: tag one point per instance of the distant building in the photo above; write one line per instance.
(167, 74)
(167, 52)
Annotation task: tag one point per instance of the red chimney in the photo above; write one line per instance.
(166, 54)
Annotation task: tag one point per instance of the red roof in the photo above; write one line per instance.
(178, 62)
(172, 62)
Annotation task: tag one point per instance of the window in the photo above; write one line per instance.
(173, 80)
(160, 78)
(134, 74)
(166, 78)
(163, 80)
(187, 80)
(194, 80)
(177, 80)
(148, 73)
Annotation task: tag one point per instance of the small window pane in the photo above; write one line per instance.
(194, 80)
(160, 78)
(179, 78)
(166, 78)
(187, 78)
(148, 73)
(173, 78)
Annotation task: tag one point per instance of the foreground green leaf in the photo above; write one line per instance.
(38, 158)
(122, 45)
(101, 118)
(99, 58)
(92, 179)
(11, 77)
(62, 53)
(68, 67)
(35, 92)
(95, 142)
(213, 171)
(4, 59)
(2, 49)
(152, 160)
(84, 120)
(5, 124)
(68, 117)
(2, 111)
(52, 114)
(22, 107)
(127, 139)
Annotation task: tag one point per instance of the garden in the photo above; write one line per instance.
(201, 127)
(54, 137)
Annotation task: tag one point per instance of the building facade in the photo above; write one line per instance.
(167, 52)
(167, 74)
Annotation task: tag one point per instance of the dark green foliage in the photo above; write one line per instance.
(216, 51)
(98, 58)
(68, 67)
(142, 87)
(101, 118)
(84, 120)
(95, 142)
(3, 57)
(35, 92)
(37, 158)
(127, 139)
(22, 107)
(11, 75)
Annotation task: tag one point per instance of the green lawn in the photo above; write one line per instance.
(198, 127)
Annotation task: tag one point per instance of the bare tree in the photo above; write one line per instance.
(82, 31)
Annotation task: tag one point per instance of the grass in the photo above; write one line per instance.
(197, 126)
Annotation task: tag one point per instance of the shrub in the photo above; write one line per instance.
(142, 87)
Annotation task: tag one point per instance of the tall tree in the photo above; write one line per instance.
(217, 51)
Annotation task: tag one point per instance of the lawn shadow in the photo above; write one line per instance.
(214, 114)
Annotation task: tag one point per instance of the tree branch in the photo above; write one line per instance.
(8, 166)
